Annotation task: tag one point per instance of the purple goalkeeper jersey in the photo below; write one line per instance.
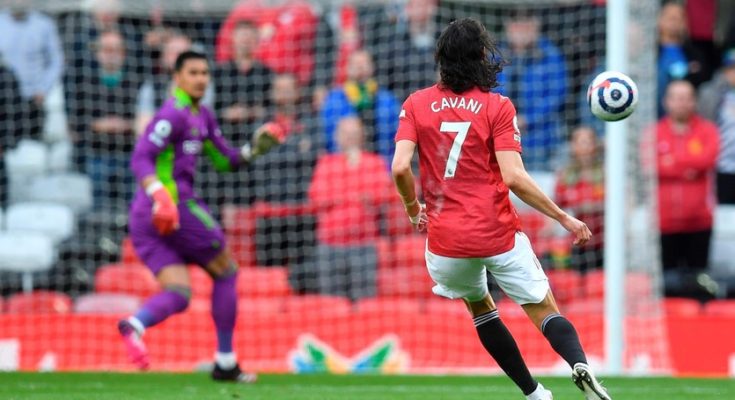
(171, 144)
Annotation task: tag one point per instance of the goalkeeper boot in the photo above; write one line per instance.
(588, 384)
(233, 374)
(137, 352)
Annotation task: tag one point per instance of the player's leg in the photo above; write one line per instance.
(521, 277)
(467, 279)
(205, 246)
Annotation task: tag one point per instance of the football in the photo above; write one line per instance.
(612, 96)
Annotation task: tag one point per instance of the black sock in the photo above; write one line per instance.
(498, 341)
(563, 338)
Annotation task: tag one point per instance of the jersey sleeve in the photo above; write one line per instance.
(223, 156)
(407, 123)
(505, 132)
(160, 134)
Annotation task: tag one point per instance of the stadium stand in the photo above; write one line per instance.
(40, 302)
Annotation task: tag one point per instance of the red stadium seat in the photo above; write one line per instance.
(594, 284)
(720, 308)
(594, 306)
(405, 282)
(128, 255)
(508, 307)
(408, 251)
(385, 255)
(681, 307)
(121, 278)
(2, 305)
(106, 303)
(322, 304)
(566, 284)
(261, 306)
(201, 282)
(263, 282)
(396, 221)
(437, 306)
(380, 304)
(39, 302)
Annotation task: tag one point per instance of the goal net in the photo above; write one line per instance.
(331, 276)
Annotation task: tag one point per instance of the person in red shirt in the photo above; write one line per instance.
(580, 189)
(687, 146)
(348, 189)
(287, 30)
(469, 149)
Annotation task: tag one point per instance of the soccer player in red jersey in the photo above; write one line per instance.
(469, 149)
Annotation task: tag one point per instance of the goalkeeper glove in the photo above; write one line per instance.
(165, 212)
(266, 137)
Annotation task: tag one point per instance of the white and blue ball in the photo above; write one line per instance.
(612, 96)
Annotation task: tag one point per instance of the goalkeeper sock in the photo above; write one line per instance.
(498, 341)
(161, 306)
(563, 339)
(224, 310)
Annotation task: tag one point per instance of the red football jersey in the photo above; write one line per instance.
(470, 213)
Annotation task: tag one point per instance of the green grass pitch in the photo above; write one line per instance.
(104, 386)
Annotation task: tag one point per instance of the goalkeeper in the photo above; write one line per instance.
(170, 227)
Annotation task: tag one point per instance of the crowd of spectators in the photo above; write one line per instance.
(333, 78)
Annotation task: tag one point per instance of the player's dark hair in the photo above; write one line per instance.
(186, 56)
(467, 57)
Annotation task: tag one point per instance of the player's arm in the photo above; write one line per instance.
(517, 179)
(157, 139)
(226, 158)
(406, 139)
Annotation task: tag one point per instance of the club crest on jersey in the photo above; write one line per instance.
(456, 102)
(192, 147)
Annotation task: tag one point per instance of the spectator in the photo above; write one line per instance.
(156, 89)
(677, 58)
(717, 103)
(347, 190)
(362, 96)
(536, 80)
(580, 188)
(240, 86)
(283, 175)
(11, 126)
(30, 46)
(85, 28)
(687, 147)
(407, 48)
(102, 118)
(338, 36)
(287, 30)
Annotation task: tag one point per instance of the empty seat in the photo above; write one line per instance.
(567, 284)
(316, 305)
(681, 307)
(59, 156)
(388, 304)
(396, 222)
(127, 251)
(73, 190)
(39, 302)
(594, 306)
(721, 308)
(408, 251)
(26, 253)
(261, 306)
(437, 306)
(405, 282)
(263, 282)
(509, 308)
(2, 305)
(54, 220)
(107, 303)
(121, 278)
(722, 248)
(201, 282)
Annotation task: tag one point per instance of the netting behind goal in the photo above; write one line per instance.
(329, 279)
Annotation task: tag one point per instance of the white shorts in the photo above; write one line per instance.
(518, 272)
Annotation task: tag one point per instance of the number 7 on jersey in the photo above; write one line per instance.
(461, 129)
